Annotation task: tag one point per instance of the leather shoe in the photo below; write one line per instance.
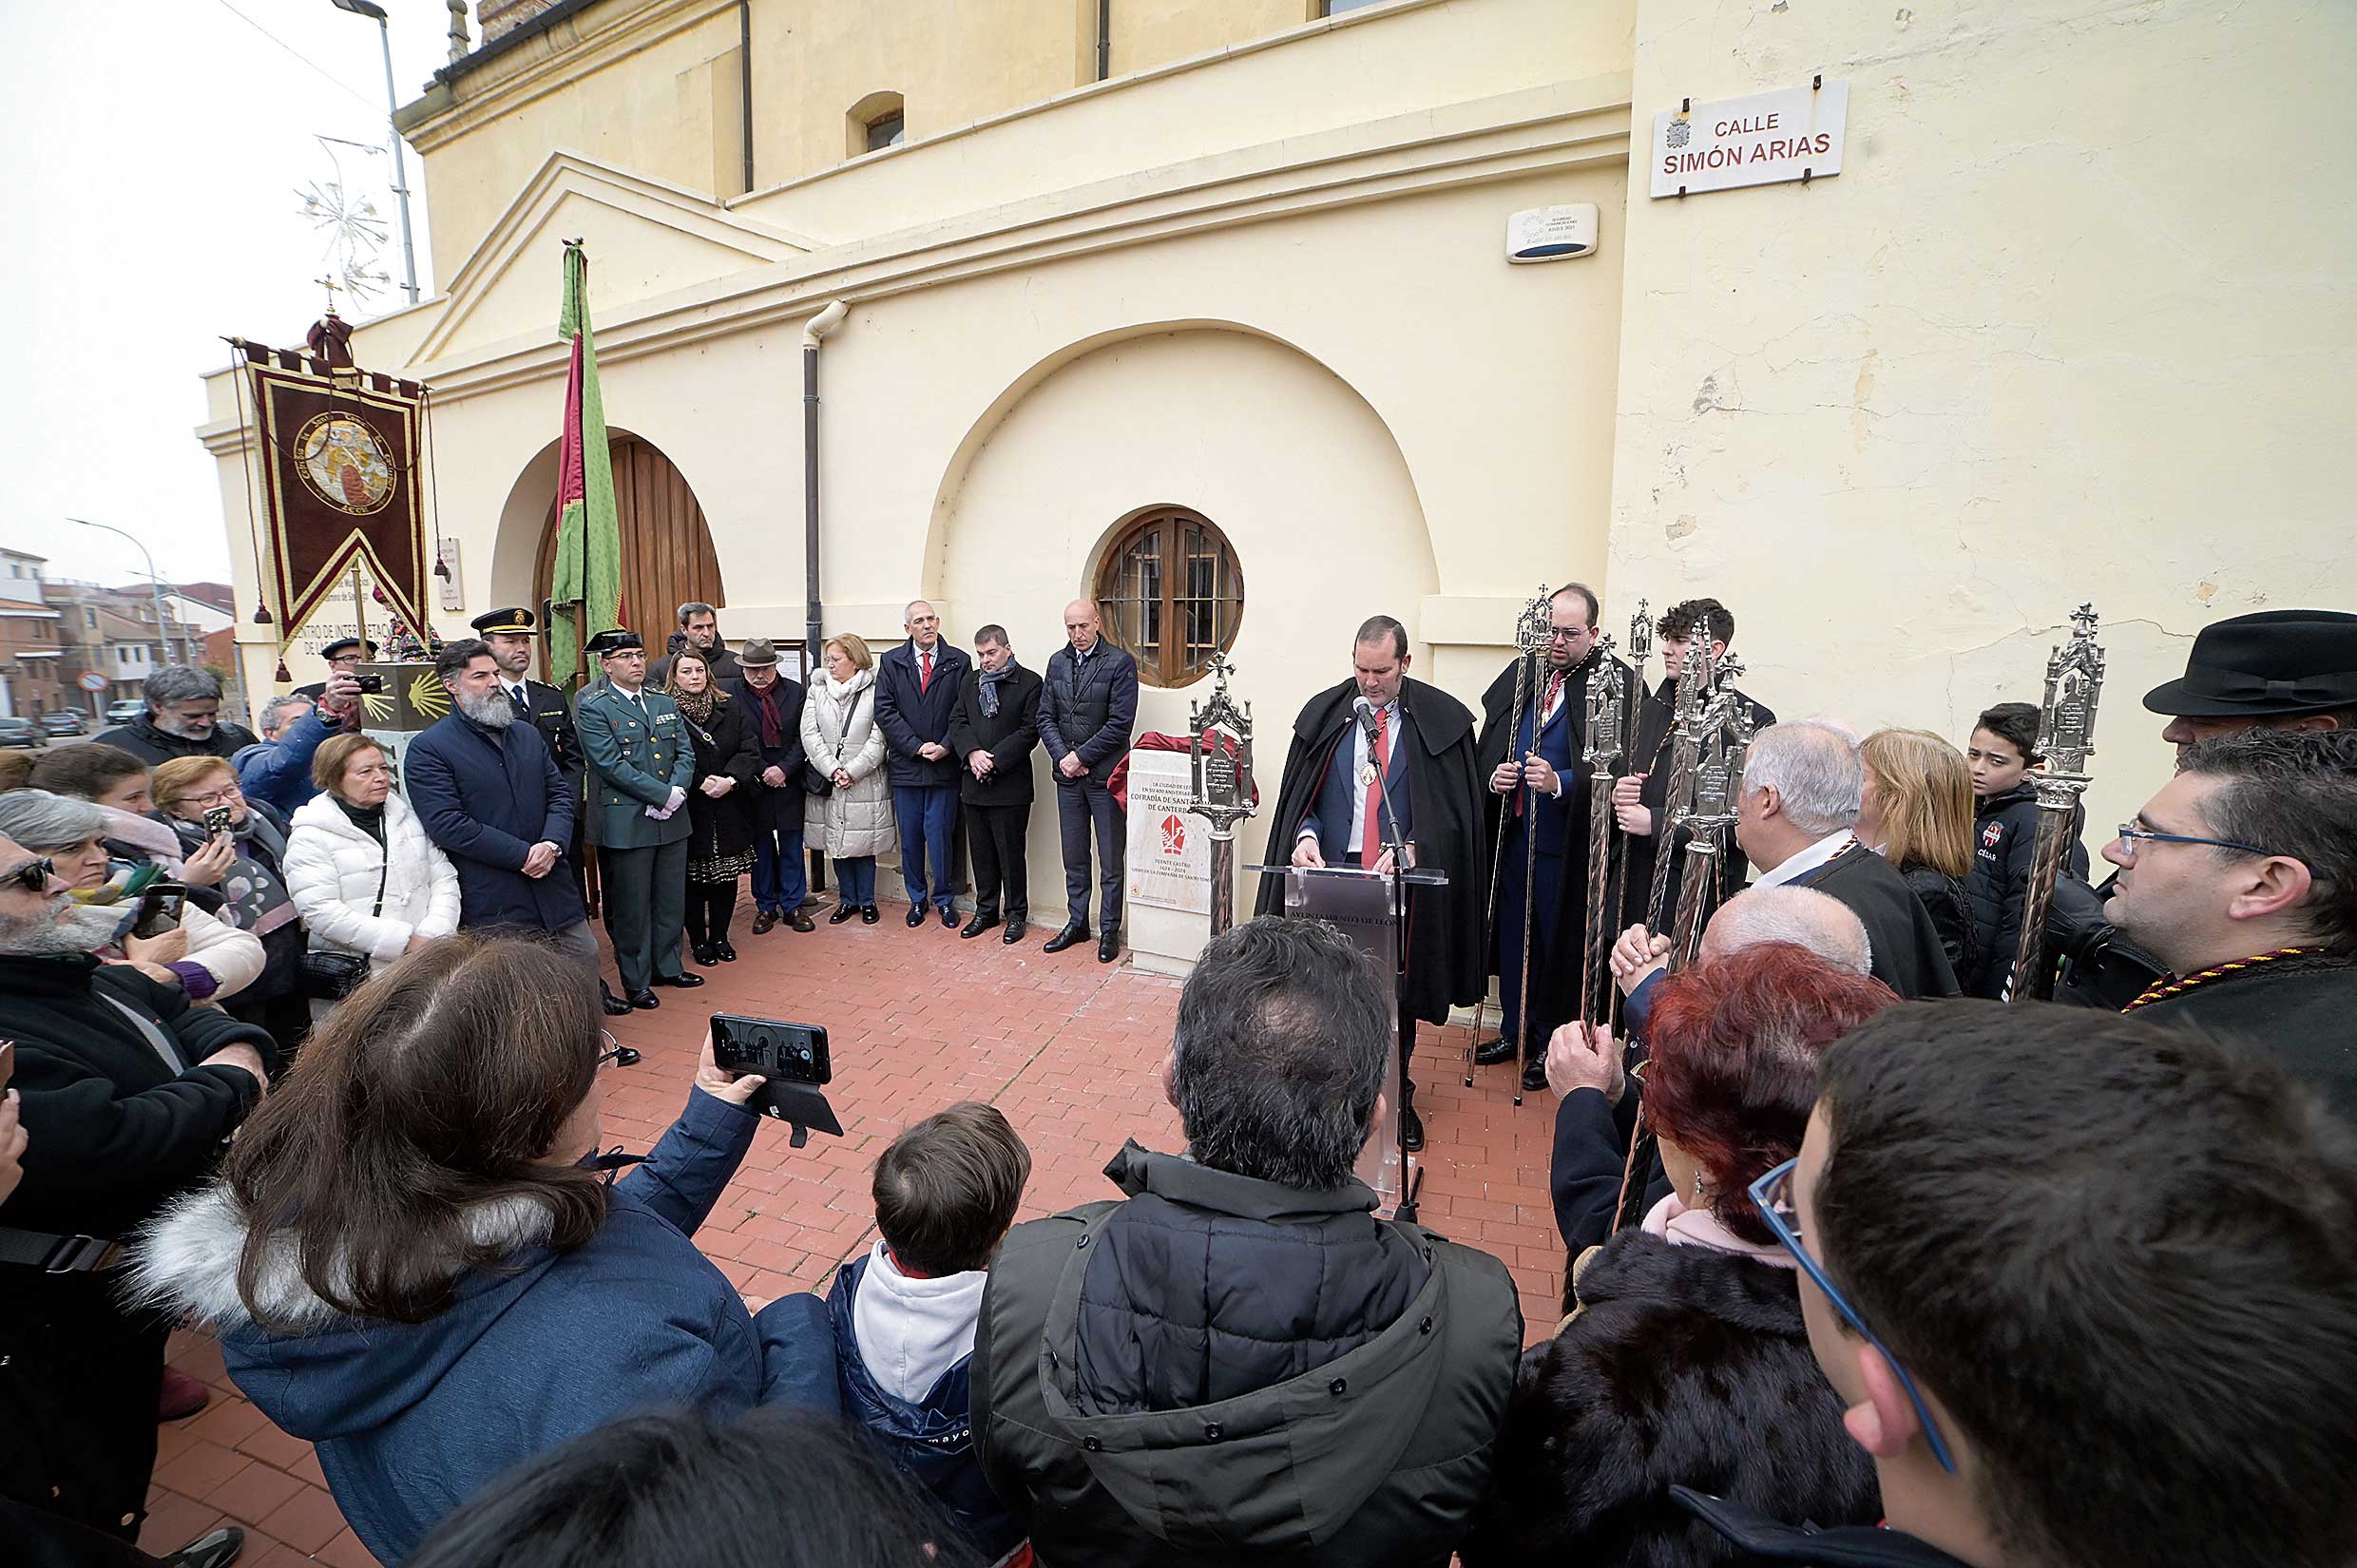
(1108, 947)
(949, 916)
(725, 949)
(1534, 1075)
(801, 922)
(763, 921)
(869, 915)
(685, 982)
(842, 913)
(182, 1396)
(626, 1055)
(1071, 936)
(1491, 1052)
(214, 1549)
(1412, 1130)
(916, 916)
(645, 1000)
(705, 954)
(979, 925)
(614, 1006)
(1015, 932)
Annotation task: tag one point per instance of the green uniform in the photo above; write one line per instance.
(638, 753)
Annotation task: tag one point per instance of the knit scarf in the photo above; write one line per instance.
(698, 705)
(767, 702)
(253, 896)
(990, 679)
(145, 835)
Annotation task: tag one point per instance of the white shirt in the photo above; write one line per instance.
(1801, 862)
(1361, 795)
(910, 1332)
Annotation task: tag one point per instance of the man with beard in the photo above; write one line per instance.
(700, 629)
(509, 634)
(2241, 877)
(129, 1091)
(183, 720)
(1333, 810)
(491, 794)
(1553, 811)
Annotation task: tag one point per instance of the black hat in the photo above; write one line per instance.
(2257, 666)
(345, 645)
(620, 640)
(517, 621)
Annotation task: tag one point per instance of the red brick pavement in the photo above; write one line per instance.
(1069, 1048)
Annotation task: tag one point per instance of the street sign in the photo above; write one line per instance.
(90, 681)
(1762, 140)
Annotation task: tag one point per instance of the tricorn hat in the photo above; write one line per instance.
(2274, 662)
(758, 653)
(518, 622)
(620, 640)
(346, 644)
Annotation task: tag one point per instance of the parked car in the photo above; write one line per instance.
(18, 732)
(65, 721)
(124, 711)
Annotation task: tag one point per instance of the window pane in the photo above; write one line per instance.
(890, 131)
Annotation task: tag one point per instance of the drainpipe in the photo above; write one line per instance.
(816, 328)
(1104, 39)
(744, 80)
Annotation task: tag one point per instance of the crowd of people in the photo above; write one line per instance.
(1860, 1266)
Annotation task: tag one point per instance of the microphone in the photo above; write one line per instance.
(1366, 712)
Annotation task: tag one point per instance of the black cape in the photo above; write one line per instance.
(1447, 967)
(1554, 969)
(1908, 955)
(2299, 1010)
(1656, 727)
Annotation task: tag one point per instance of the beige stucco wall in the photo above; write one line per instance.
(2072, 323)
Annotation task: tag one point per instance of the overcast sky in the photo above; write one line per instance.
(151, 170)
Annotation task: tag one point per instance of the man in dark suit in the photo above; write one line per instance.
(1088, 703)
(488, 793)
(991, 735)
(509, 634)
(916, 689)
(641, 765)
(774, 708)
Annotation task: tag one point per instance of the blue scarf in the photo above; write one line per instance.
(990, 685)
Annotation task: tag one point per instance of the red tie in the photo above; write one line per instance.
(1379, 751)
(925, 671)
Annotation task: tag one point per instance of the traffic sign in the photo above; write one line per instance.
(92, 680)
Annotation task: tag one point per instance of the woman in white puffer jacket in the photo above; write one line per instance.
(359, 867)
(845, 746)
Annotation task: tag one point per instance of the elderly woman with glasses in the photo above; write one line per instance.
(1685, 1359)
(199, 798)
(417, 1260)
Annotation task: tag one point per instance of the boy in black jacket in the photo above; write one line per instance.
(2004, 816)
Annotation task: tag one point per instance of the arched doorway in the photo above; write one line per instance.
(667, 558)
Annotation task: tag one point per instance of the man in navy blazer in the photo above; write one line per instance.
(916, 693)
(490, 793)
(1088, 702)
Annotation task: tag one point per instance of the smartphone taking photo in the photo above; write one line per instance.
(792, 1061)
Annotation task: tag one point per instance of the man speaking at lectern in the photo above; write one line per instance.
(1333, 810)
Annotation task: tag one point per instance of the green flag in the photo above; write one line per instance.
(588, 574)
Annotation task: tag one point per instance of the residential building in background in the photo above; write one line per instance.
(30, 651)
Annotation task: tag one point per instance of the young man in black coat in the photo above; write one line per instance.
(773, 705)
(992, 734)
(916, 687)
(1330, 811)
(128, 1093)
(1088, 704)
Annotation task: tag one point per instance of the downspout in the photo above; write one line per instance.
(744, 80)
(1104, 39)
(812, 331)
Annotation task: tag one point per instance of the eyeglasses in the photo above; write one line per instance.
(229, 795)
(1770, 1195)
(2131, 837)
(32, 876)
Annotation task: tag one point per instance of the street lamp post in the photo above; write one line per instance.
(155, 587)
(392, 103)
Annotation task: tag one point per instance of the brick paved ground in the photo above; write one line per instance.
(1068, 1048)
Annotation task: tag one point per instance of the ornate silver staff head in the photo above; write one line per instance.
(2074, 687)
(1604, 709)
(1535, 629)
(1222, 777)
(1640, 637)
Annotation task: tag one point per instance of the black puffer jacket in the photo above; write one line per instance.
(1683, 1365)
(1944, 898)
(1223, 1370)
(2006, 831)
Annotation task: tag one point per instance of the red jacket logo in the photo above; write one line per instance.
(1174, 835)
(1990, 834)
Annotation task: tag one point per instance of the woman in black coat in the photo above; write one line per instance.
(720, 839)
(1686, 1360)
(1916, 813)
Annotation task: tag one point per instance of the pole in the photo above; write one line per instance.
(359, 615)
(155, 586)
(2065, 739)
(400, 178)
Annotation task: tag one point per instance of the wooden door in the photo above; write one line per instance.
(667, 558)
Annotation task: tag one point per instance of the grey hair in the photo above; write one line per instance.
(276, 704)
(42, 821)
(1814, 766)
(180, 683)
(907, 611)
(697, 608)
(1284, 1030)
(1802, 916)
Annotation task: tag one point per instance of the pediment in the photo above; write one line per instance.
(644, 237)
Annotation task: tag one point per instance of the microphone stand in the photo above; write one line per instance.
(1411, 1176)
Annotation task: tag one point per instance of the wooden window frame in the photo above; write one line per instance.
(1165, 662)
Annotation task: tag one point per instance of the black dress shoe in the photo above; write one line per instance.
(626, 1055)
(645, 1000)
(801, 922)
(1411, 1131)
(1108, 947)
(685, 982)
(1071, 936)
(1015, 932)
(842, 913)
(725, 950)
(979, 925)
(614, 1006)
(217, 1549)
(1534, 1076)
(949, 916)
(916, 916)
(1491, 1052)
(869, 915)
(762, 922)
(704, 955)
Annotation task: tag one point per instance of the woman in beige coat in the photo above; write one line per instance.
(845, 747)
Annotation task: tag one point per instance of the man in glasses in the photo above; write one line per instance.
(2088, 1287)
(2241, 877)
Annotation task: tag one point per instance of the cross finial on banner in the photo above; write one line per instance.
(332, 286)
